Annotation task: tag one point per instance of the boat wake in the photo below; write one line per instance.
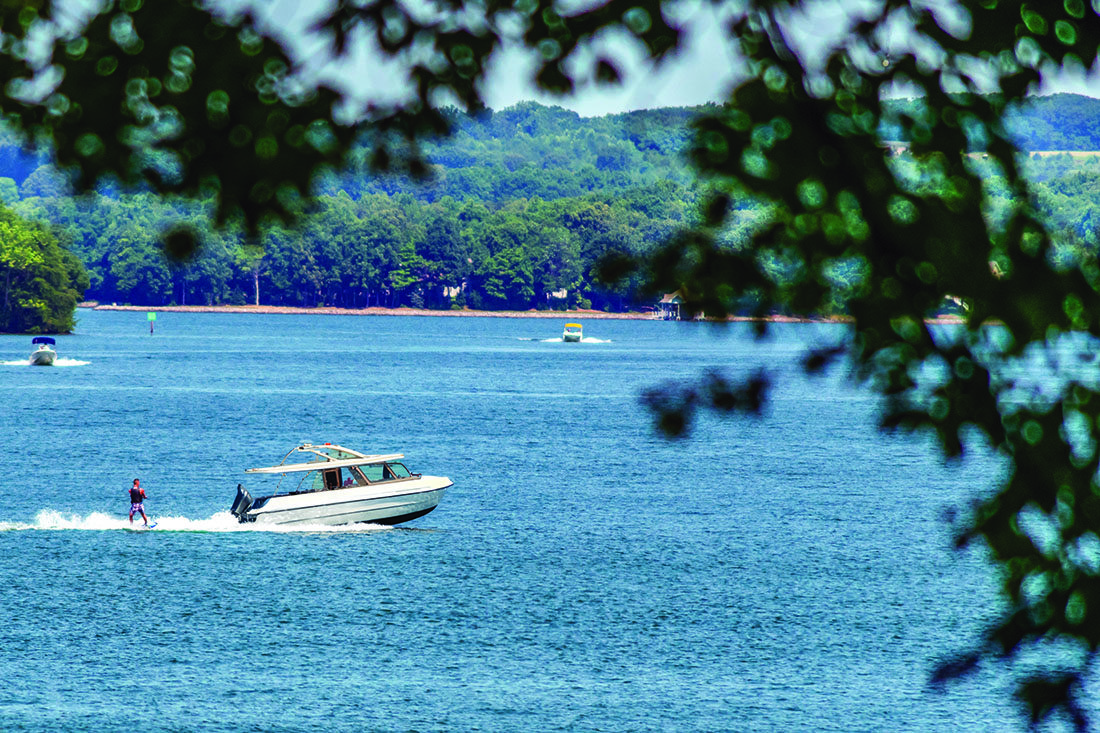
(560, 340)
(59, 362)
(49, 519)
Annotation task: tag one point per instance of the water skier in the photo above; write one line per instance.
(137, 502)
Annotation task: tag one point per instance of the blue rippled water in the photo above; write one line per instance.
(787, 573)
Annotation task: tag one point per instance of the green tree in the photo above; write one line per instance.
(41, 282)
(9, 192)
(138, 272)
(45, 182)
(506, 280)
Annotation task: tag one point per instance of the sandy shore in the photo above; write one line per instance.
(562, 315)
(569, 315)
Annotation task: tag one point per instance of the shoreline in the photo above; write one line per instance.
(373, 311)
(398, 312)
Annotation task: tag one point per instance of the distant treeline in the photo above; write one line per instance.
(520, 206)
(372, 250)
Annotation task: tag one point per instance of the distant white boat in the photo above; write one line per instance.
(338, 485)
(572, 333)
(44, 355)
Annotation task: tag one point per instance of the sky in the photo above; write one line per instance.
(704, 71)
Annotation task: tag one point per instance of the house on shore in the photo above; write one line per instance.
(668, 309)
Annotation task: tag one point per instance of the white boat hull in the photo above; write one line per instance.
(394, 502)
(43, 357)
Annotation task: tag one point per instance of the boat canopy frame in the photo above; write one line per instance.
(326, 463)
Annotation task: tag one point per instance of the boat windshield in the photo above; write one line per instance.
(335, 478)
(384, 472)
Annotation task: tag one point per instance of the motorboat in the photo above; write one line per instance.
(336, 485)
(44, 355)
(572, 333)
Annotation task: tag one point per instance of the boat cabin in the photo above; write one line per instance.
(364, 475)
(334, 467)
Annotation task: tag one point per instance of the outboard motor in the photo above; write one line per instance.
(242, 503)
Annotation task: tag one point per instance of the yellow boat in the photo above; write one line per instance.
(572, 332)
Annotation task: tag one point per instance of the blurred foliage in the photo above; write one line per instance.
(809, 140)
(178, 98)
(171, 96)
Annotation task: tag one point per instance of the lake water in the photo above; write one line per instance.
(787, 573)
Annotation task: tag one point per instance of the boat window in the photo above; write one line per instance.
(385, 472)
(374, 473)
(315, 482)
(332, 479)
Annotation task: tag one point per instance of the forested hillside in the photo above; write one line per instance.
(518, 208)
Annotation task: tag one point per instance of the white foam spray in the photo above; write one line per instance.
(59, 362)
(49, 519)
(560, 340)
